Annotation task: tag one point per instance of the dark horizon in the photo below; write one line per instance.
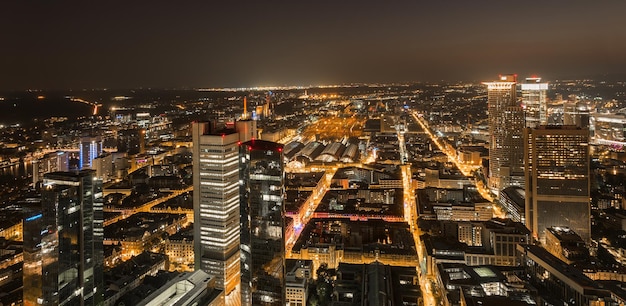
(614, 77)
(206, 45)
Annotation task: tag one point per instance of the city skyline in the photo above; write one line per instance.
(313, 153)
(385, 187)
(226, 45)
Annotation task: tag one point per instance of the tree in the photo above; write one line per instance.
(313, 300)
(324, 291)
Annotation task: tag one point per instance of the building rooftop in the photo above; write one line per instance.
(183, 234)
(128, 271)
(575, 278)
(506, 225)
(515, 193)
(565, 234)
(9, 218)
(185, 289)
(73, 176)
(357, 236)
(257, 144)
(376, 284)
(140, 224)
(496, 301)
(456, 274)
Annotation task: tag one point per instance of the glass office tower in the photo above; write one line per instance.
(506, 127)
(535, 102)
(67, 262)
(262, 223)
(32, 258)
(90, 148)
(557, 180)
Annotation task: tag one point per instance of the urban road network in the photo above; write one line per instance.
(349, 126)
(427, 283)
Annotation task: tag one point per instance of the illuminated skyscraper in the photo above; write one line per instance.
(557, 180)
(535, 102)
(63, 258)
(216, 203)
(262, 223)
(216, 199)
(506, 125)
(90, 148)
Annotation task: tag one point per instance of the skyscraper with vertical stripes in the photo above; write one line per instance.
(216, 199)
(506, 126)
(216, 203)
(535, 102)
(90, 148)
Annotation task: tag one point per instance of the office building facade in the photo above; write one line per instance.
(262, 223)
(557, 180)
(575, 112)
(131, 141)
(64, 243)
(216, 203)
(608, 128)
(90, 148)
(506, 125)
(535, 101)
(51, 162)
(513, 199)
(103, 165)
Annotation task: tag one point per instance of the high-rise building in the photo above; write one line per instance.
(63, 244)
(246, 129)
(608, 128)
(131, 141)
(262, 223)
(216, 199)
(535, 102)
(51, 162)
(90, 148)
(216, 203)
(557, 180)
(32, 268)
(575, 112)
(103, 165)
(506, 125)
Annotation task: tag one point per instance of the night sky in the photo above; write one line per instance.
(118, 44)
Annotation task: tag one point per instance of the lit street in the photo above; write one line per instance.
(465, 169)
(410, 216)
(308, 208)
(125, 213)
